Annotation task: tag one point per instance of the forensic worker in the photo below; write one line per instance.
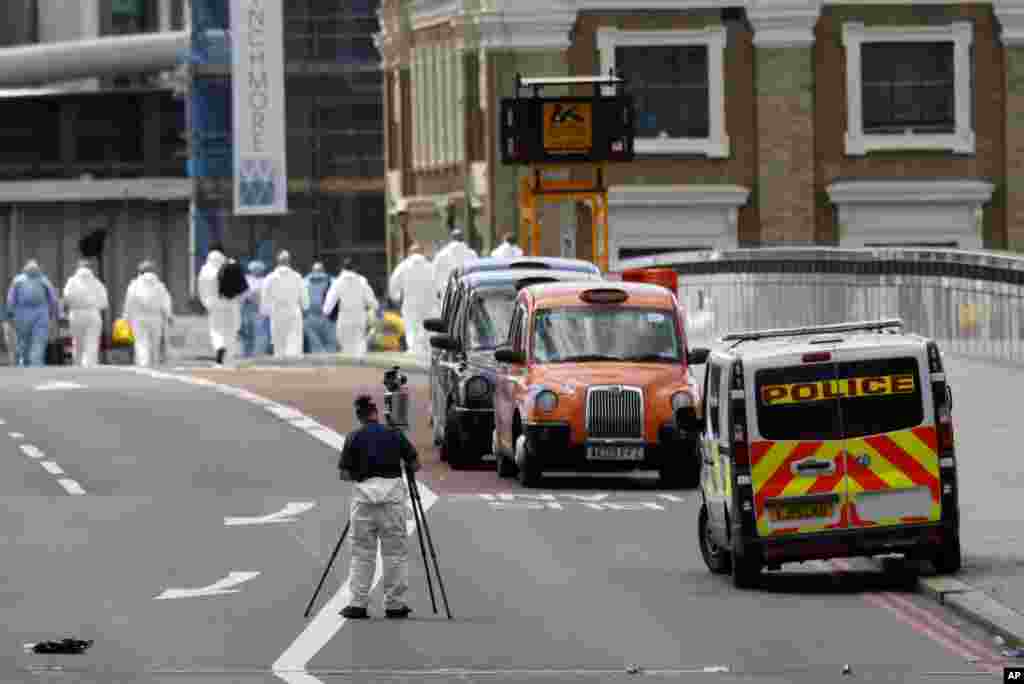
(319, 330)
(508, 249)
(372, 459)
(454, 255)
(225, 314)
(355, 299)
(255, 330)
(413, 284)
(284, 298)
(85, 299)
(147, 307)
(31, 303)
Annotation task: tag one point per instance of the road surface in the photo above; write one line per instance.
(201, 522)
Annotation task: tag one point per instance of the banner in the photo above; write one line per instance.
(257, 77)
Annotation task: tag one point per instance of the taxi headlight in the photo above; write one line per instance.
(547, 401)
(681, 400)
(477, 388)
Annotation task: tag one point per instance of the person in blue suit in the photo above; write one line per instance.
(32, 303)
(319, 330)
(255, 330)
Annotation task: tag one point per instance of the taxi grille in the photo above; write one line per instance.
(615, 412)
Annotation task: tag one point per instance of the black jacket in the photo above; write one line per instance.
(231, 280)
(376, 451)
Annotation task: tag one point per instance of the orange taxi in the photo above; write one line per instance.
(595, 377)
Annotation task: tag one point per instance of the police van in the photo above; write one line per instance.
(826, 442)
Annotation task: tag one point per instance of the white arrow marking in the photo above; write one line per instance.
(218, 588)
(286, 514)
(59, 385)
(31, 451)
(52, 467)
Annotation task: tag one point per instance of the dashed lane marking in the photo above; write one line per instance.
(31, 451)
(16, 435)
(52, 467)
(71, 486)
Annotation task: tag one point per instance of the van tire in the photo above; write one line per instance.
(948, 560)
(746, 571)
(715, 557)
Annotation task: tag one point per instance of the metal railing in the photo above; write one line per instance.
(972, 303)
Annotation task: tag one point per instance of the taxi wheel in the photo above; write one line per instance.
(715, 557)
(529, 472)
(949, 559)
(746, 571)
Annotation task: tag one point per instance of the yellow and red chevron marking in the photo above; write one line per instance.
(898, 460)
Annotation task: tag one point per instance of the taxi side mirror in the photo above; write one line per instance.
(445, 342)
(697, 357)
(434, 325)
(509, 355)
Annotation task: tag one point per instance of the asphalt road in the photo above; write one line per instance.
(579, 582)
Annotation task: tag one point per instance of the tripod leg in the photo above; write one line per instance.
(337, 547)
(416, 514)
(433, 555)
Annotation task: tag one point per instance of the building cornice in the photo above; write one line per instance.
(730, 196)
(785, 24)
(155, 189)
(960, 191)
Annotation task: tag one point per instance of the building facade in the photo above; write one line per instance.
(759, 123)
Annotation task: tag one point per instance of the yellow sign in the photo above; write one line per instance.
(775, 395)
(568, 126)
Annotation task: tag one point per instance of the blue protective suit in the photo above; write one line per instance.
(255, 330)
(319, 330)
(31, 303)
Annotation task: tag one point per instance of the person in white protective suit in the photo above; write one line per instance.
(413, 284)
(508, 249)
(355, 300)
(147, 307)
(454, 255)
(85, 298)
(283, 299)
(225, 314)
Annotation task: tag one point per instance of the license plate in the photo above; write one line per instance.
(615, 453)
(801, 511)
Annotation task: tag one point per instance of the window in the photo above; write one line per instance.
(579, 334)
(877, 414)
(677, 78)
(796, 420)
(713, 388)
(908, 88)
(488, 319)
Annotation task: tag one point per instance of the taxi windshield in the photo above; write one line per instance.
(489, 317)
(605, 334)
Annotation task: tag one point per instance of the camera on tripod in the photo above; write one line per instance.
(396, 398)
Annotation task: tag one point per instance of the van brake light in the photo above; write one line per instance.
(817, 357)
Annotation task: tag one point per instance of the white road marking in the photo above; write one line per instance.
(52, 467)
(3, 422)
(59, 385)
(16, 435)
(31, 451)
(285, 412)
(71, 487)
(328, 437)
(286, 514)
(305, 424)
(218, 588)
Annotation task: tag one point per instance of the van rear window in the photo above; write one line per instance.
(804, 402)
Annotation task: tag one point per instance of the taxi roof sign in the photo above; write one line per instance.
(604, 295)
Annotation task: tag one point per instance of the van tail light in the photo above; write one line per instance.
(738, 429)
(944, 425)
(817, 357)
(740, 454)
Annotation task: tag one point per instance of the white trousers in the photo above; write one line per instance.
(148, 333)
(383, 522)
(225, 322)
(286, 333)
(351, 338)
(416, 338)
(86, 326)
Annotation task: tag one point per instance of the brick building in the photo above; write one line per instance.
(760, 123)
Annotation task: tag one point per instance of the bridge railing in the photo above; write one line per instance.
(971, 302)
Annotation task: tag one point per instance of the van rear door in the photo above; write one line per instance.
(893, 461)
(797, 453)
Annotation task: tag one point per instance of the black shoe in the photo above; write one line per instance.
(220, 356)
(354, 613)
(398, 613)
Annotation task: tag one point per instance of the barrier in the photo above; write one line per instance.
(970, 302)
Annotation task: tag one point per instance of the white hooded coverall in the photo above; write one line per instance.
(283, 298)
(147, 306)
(413, 283)
(225, 314)
(355, 299)
(454, 255)
(85, 297)
(507, 251)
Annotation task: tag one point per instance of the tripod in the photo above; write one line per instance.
(421, 528)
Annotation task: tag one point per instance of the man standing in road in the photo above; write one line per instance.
(508, 249)
(413, 283)
(454, 255)
(372, 459)
(284, 298)
(354, 297)
(319, 330)
(147, 306)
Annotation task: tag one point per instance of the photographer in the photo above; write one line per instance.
(372, 459)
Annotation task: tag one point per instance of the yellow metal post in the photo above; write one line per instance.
(596, 195)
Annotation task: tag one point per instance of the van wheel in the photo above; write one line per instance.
(505, 466)
(746, 571)
(529, 468)
(948, 560)
(715, 557)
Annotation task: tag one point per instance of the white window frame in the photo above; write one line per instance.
(716, 145)
(961, 141)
